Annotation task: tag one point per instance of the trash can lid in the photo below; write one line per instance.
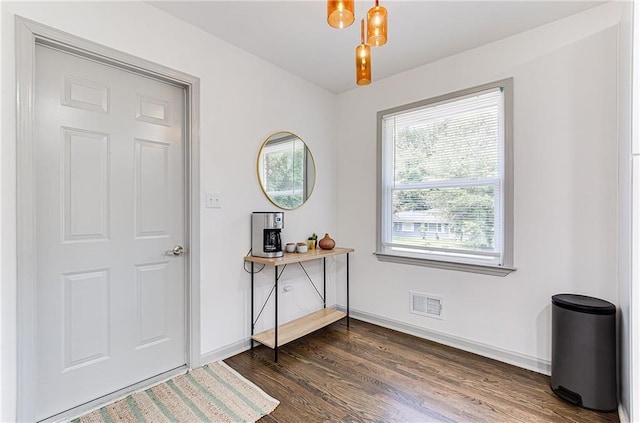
(583, 304)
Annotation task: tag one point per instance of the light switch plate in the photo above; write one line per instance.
(213, 200)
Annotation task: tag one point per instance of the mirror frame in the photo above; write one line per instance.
(261, 182)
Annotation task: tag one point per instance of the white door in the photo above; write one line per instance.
(109, 160)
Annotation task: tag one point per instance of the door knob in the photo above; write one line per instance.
(177, 250)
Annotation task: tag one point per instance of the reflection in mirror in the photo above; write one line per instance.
(286, 170)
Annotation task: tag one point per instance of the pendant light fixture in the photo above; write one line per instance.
(377, 25)
(363, 59)
(340, 13)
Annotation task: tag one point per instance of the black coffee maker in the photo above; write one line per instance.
(265, 234)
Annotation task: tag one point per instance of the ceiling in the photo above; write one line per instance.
(294, 35)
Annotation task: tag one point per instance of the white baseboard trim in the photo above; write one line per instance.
(225, 351)
(622, 414)
(500, 354)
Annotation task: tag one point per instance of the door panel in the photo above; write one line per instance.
(85, 189)
(152, 177)
(86, 324)
(85, 94)
(151, 303)
(109, 159)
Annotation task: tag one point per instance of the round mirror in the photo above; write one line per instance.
(286, 170)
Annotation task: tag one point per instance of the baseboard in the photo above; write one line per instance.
(622, 414)
(225, 352)
(506, 356)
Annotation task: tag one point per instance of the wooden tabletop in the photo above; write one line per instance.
(289, 258)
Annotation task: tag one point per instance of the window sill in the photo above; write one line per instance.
(447, 265)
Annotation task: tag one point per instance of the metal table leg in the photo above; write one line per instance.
(275, 343)
(347, 289)
(252, 322)
(324, 282)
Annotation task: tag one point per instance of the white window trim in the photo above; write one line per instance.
(466, 265)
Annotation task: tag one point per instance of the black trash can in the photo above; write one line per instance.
(583, 351)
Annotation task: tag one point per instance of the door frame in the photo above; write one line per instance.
(28, 34)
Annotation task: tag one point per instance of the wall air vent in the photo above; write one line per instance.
(426, 304)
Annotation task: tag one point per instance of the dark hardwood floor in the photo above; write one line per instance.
(366, 373)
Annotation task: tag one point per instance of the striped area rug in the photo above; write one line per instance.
(212, 393)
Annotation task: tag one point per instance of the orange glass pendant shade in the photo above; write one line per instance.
(363, 64)
(377, 25)
(363, 60)
(340, 13)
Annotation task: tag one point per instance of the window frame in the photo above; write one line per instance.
(386, 254)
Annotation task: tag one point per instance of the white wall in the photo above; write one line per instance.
(624, 208)
(632, 330)
(565, 144)
(243, 100)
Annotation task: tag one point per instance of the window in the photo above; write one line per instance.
(446, 163)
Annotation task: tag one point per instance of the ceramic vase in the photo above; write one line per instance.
(326, 243)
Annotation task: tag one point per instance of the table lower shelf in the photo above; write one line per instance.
(298, 328)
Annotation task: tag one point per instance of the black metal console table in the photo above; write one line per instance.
(280, 335)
